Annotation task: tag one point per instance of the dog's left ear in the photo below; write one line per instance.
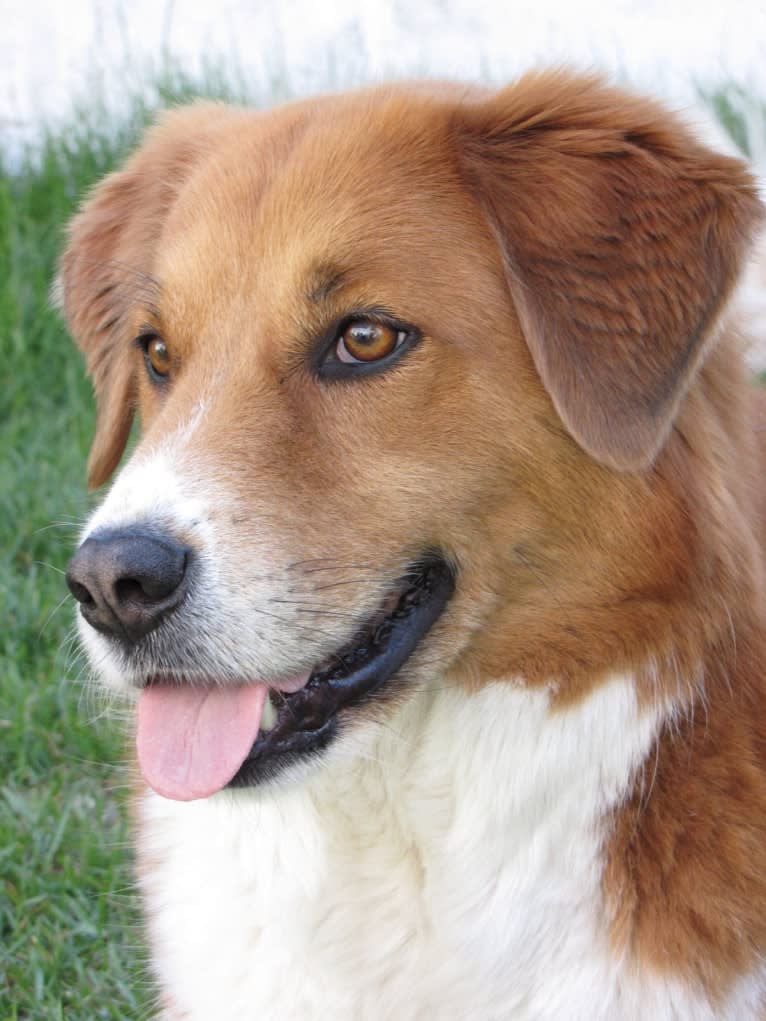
(622, 238)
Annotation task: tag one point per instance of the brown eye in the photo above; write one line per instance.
(364, 341)
(158, 356)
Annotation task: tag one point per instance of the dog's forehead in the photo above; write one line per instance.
(292, 206)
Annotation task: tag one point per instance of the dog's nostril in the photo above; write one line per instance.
(152, 585)
(79, 591)
(130, 590)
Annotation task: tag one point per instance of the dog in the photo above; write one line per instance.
(437, 575)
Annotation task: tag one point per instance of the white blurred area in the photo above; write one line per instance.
(54, 53)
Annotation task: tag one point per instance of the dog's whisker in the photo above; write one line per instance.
(297, 625)
(318, 566)
(52, 614)
(335, 584)
(50, 567)
(73, 527)
(322, 609)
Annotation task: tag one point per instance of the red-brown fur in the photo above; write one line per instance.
(586, 440)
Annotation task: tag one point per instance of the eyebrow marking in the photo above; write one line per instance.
(131, 287)
(324, 280)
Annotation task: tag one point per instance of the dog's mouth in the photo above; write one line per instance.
(194, 740)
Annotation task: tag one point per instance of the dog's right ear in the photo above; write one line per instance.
(108, 261)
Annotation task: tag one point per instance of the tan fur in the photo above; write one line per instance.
(576, 426)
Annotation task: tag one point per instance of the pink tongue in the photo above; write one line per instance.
(191, 741)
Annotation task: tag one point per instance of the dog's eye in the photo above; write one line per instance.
(363, 341)
(364, 345)
(156, 356)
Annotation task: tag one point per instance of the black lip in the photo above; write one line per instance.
(308, 719)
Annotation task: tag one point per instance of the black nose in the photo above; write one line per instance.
(127, 580)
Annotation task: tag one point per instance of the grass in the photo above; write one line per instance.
(742, 116)
(63, 874)
(69, 926)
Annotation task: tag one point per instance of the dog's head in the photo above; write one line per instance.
(408, 364)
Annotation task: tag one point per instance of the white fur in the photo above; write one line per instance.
(451, 872)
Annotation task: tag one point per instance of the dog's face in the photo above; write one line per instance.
(402, 362)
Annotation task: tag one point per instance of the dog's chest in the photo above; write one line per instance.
(456, 874)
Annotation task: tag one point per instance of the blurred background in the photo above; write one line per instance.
(54, 56)
(78, 83)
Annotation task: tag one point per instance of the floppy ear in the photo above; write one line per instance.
(622, 238)
(107, 264)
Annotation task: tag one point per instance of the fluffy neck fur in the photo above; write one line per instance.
(457, 866)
